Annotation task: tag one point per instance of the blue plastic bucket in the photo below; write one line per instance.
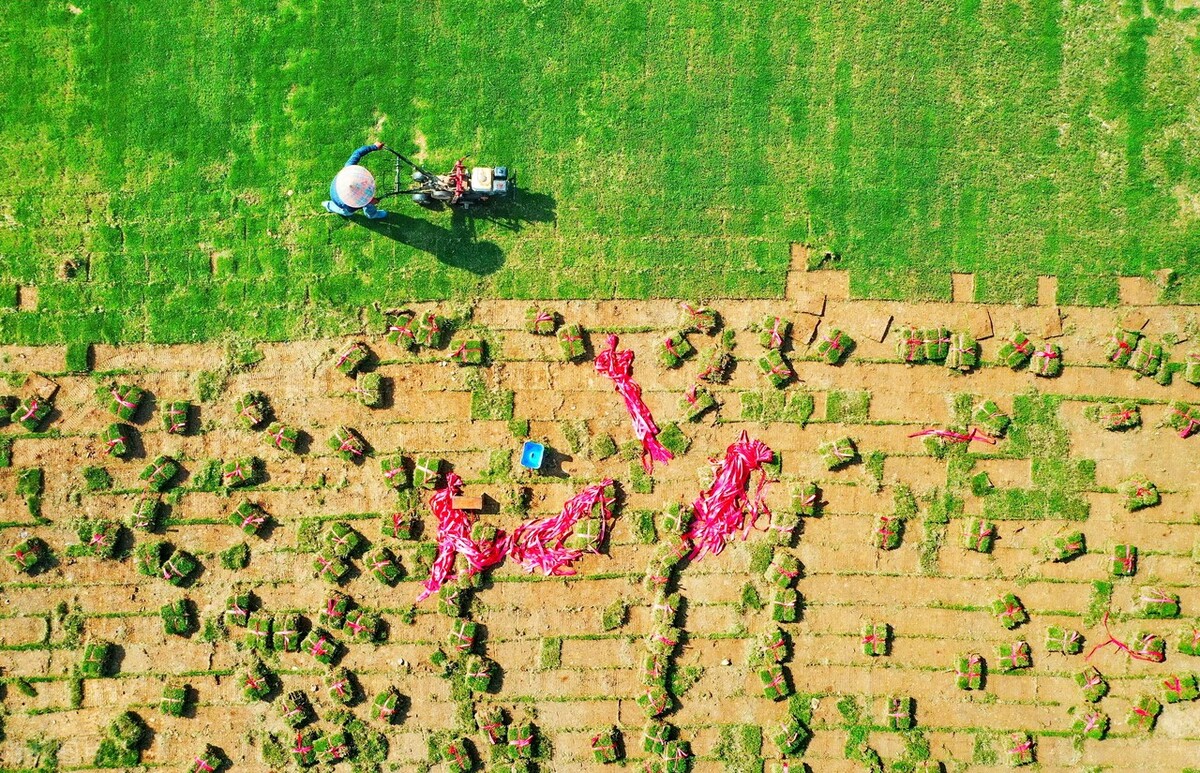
(531, 455)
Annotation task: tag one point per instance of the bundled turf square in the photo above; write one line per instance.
(248, 517)
(258, 631)
(1120, 346)
(323, 648)
(606, 747)
(96, 658)
(179, 568)
(806, 500)
(363, 626)
(1191, 368)
(1149, 646)
(520, 741)
(773, 332)
(116, 440)
(676, 518)
(1015, 350)
(1146, 358)
(99, 538)
(1138, 492)
(386, 706)
(540, 322)
(294, 708)
(174, 700)
(426, 472)
(989, 416)
(701, 319)
(935, 343)
(368, 389)
(1158, 603)
(329, 567)
(654, 700)
(401, 329)
(665, 608)
(674, 349)
(677, 757)
(783, 527)
(462, 635)
(352, 358)
(467, 351)
(31, 412)
(431, 330)
(585, 535)
(1020, 749)
(250, 410)
(1092, 683)
(887, 532)
(245, 471)
(177, 618)
(160, 473)
(347, 443)
(979, 535)
(340, 684)
(175, 417)
(451, 600)
(1014, 656)
(1124, 563)
(876, 639)
(790, 735)
(303, 749)
(663, 640)
(1010, 611)
(121, 400)
(655, 737)
(910, 346)
(1143, 714)
(1179, 688)
(208, 761)
(772, 646)
(285, 632)
(1091, 723)
(570, 340)
(899, 713)
(477, 673)
(148, 557)
(716, 361)
(785, 605)
(1068, 546)
(783, 570)
(1064, 640)
(963, 354)
(456, 756)
(776, 369)
(384, 567)
(1184, 419)
(145, 515)
(774, 682)
(333, 614)
(969, 672)
(403, 526)
(490, 721)
(343, 540)
(1115, 417)
(1189, 639)
(256, 682)
(834, 345)
(696, 401)
(395, 471)
(836, 454)
(332, 748)
(280, 436)
(1046, 360)
(237, 609)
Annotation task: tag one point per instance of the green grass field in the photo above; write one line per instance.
(179, 153)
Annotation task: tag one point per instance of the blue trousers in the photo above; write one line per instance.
(371, 211)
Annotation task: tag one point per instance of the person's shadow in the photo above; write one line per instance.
(459, 245)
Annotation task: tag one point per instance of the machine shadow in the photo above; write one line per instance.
(459, 245)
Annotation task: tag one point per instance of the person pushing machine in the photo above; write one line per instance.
(353, 188)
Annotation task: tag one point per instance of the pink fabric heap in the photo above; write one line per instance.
(618, 366)
(720, 512)
(538, 544)
(454, 538)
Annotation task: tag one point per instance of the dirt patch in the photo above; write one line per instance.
(962, 287)
(27, 298)
(1137, 291)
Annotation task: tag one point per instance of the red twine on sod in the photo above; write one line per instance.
(618, 366)
(956, 437)
(454, 538)
(1119, 645)
(538, 545)
(721, 511)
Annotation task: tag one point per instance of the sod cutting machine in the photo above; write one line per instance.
(458, 188)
